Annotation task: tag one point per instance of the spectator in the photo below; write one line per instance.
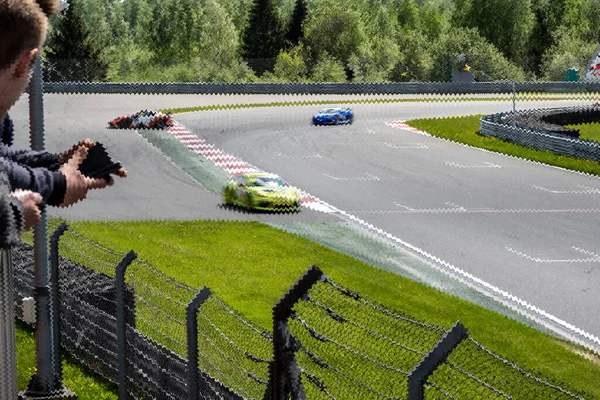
(31, 175)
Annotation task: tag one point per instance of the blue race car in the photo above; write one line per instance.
(333, 116)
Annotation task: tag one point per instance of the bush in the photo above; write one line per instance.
(570, 51)
(290, 66)
(328, 69)
(490, 61)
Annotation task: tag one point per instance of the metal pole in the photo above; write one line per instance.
(43, 381)
(418, 377)
(121, 322)
(514, 96)
(284, 374)
(192, 341)
(54, 299)
(8, 355)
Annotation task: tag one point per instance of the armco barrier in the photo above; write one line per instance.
(502, 126)
(320, 88)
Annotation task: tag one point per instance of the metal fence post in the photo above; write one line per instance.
(55, 312)
(514, 88)
(121, 323)
(8, 349)
(42, 383)
(418, 377)
(284, 373)
(192, 341)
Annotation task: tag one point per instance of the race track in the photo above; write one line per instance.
(526, 228)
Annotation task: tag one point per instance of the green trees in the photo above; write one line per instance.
(408, 13)
(219, 47)
(290, 66)
(295, 33)
(328, 69)
(71, 55)
(507, 24)
(334, 28)
(373, 40)
(491, 63)
(263, 38)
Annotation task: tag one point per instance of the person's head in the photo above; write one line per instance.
(23, 25)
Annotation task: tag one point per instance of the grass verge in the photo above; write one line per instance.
(250, 265)
(76, 377)
(588, 131)
(466, 130)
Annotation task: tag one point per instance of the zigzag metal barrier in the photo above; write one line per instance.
(328, 343)
(531, 129)
(320, 88)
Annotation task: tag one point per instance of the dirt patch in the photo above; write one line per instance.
(585, 353)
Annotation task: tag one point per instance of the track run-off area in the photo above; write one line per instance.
(523, 232)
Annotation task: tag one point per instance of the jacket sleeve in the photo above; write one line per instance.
(11, 216)
(29, 158)
(51, 185)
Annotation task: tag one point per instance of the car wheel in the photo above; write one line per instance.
(228, 196)
(337, 119)
(249, 201)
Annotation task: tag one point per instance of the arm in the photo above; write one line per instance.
(52, 185)
(11, 216)
(11, 222)
(33, 159)
(29, 158)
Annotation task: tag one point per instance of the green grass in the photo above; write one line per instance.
(448, 98)
(466, 130)
(250, 265)
(588, 131)
(76, 377)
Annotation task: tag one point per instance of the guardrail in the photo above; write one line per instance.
(321, 88)
(513, 127)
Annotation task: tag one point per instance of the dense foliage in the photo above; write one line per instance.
(323, 40)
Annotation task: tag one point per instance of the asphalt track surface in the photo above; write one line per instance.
(529, 229)
(487, 214)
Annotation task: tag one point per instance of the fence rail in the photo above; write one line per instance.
(328, 342)
(542, 130)
(416, 88)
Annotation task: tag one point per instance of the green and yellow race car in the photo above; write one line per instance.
(261, 191)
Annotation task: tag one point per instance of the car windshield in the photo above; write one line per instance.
(330, 111)
(268, 181)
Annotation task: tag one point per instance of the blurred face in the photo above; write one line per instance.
(14, 80)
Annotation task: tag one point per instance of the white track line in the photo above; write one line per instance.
(550, 321)
(555, 324)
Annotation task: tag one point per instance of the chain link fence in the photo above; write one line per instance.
(328, 342)
(233, 354)
(348, 346)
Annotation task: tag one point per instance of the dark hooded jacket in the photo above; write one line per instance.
(11, 216)
(27, 170)
(31, 170)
